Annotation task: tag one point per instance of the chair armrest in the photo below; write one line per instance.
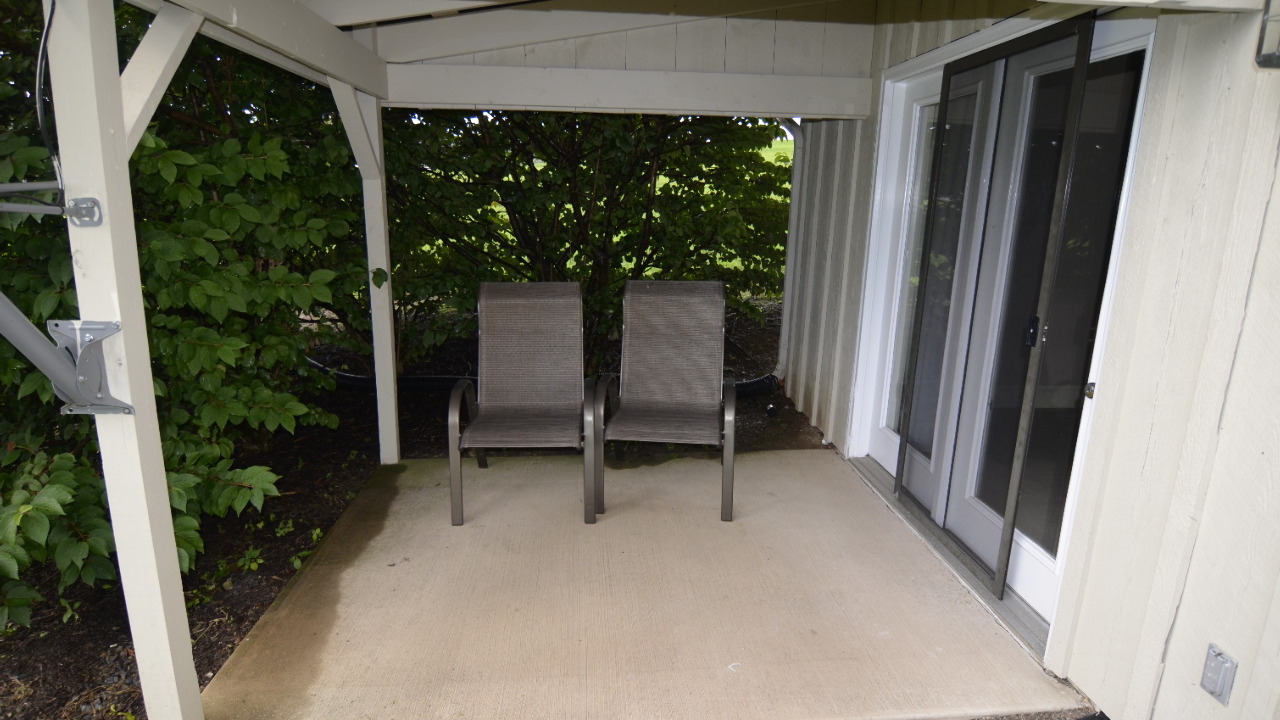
(462, 390)
(606, 397)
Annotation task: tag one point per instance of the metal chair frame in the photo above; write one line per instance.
(612, 391)
(528, 408)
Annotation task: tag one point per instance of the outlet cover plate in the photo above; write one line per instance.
(1219, 674)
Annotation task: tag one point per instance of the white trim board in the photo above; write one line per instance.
(486, 87)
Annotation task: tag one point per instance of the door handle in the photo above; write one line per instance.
(1033, 331)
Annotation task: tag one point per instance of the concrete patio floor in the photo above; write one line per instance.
(817, 601)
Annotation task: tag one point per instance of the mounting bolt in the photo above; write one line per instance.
(80, 378)
(88, 338)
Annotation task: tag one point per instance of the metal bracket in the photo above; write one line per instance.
(81, 212)
(82, 340)
(84, 212)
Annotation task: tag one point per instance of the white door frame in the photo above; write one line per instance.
(900, 93)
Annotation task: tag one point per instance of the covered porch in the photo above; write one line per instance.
(817, 601)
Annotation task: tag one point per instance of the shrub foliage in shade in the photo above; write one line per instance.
(596, 199)
(250, 233)
(245, 197)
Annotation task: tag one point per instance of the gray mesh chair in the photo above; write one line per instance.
(672, 387)
(530, 389)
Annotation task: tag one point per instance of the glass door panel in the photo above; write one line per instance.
(956, 207)
(1070, 328)
(1006, 329)
(925, 124)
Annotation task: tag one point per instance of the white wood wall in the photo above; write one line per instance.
(833, 216)
(1178, 540)
(825, 270)
(1177, 537)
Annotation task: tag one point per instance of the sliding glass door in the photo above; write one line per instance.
(1030, 150)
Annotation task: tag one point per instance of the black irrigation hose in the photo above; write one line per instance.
(416, 382)
(746, 388)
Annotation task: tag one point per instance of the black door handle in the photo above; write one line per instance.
(1033, 331)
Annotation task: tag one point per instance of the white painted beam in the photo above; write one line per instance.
(551, 22)
(346, 12)
(86, 89)
(151, 69)
(299, 34)
(361, 116)
(1211, 5)
(245, 45)
(485, 88)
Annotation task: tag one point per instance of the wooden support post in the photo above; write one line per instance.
(91, 138)
(363, 122)
(152, 67)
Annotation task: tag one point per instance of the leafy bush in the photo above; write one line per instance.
(245, 232)
(596, 199)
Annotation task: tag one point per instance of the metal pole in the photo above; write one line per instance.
(27, 338)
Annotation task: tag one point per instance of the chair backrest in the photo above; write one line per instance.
(673, 342)
(530, 343)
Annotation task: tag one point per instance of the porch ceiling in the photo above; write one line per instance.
(816, 601)
(780, 58)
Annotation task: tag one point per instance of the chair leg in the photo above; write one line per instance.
(455, 480)
(726, 459)
(589, 427)
(462, 392)
(600, 395)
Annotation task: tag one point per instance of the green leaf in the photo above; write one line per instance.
(51, 498)
(168, 171)
(218, 308)
(249, 213)
(70, 552)
(8, 564)
(320, 277)
(31, 383)
(301, 296)
(236, 302)
(46, 303)
(197, 297)
(179, 157)
(35, 525)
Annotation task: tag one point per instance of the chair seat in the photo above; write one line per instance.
(666, 424)
(499, 426)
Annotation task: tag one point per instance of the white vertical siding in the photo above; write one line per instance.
(826, 278)
(1178, 504)
(833, 211)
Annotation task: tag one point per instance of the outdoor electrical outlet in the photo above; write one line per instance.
(1219, 674)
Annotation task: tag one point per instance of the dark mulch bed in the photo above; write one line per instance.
(76, 659)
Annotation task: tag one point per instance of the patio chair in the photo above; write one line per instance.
(530, 391)
(672, 387)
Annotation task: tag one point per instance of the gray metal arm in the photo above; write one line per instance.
(75, 364)
(47, 357)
